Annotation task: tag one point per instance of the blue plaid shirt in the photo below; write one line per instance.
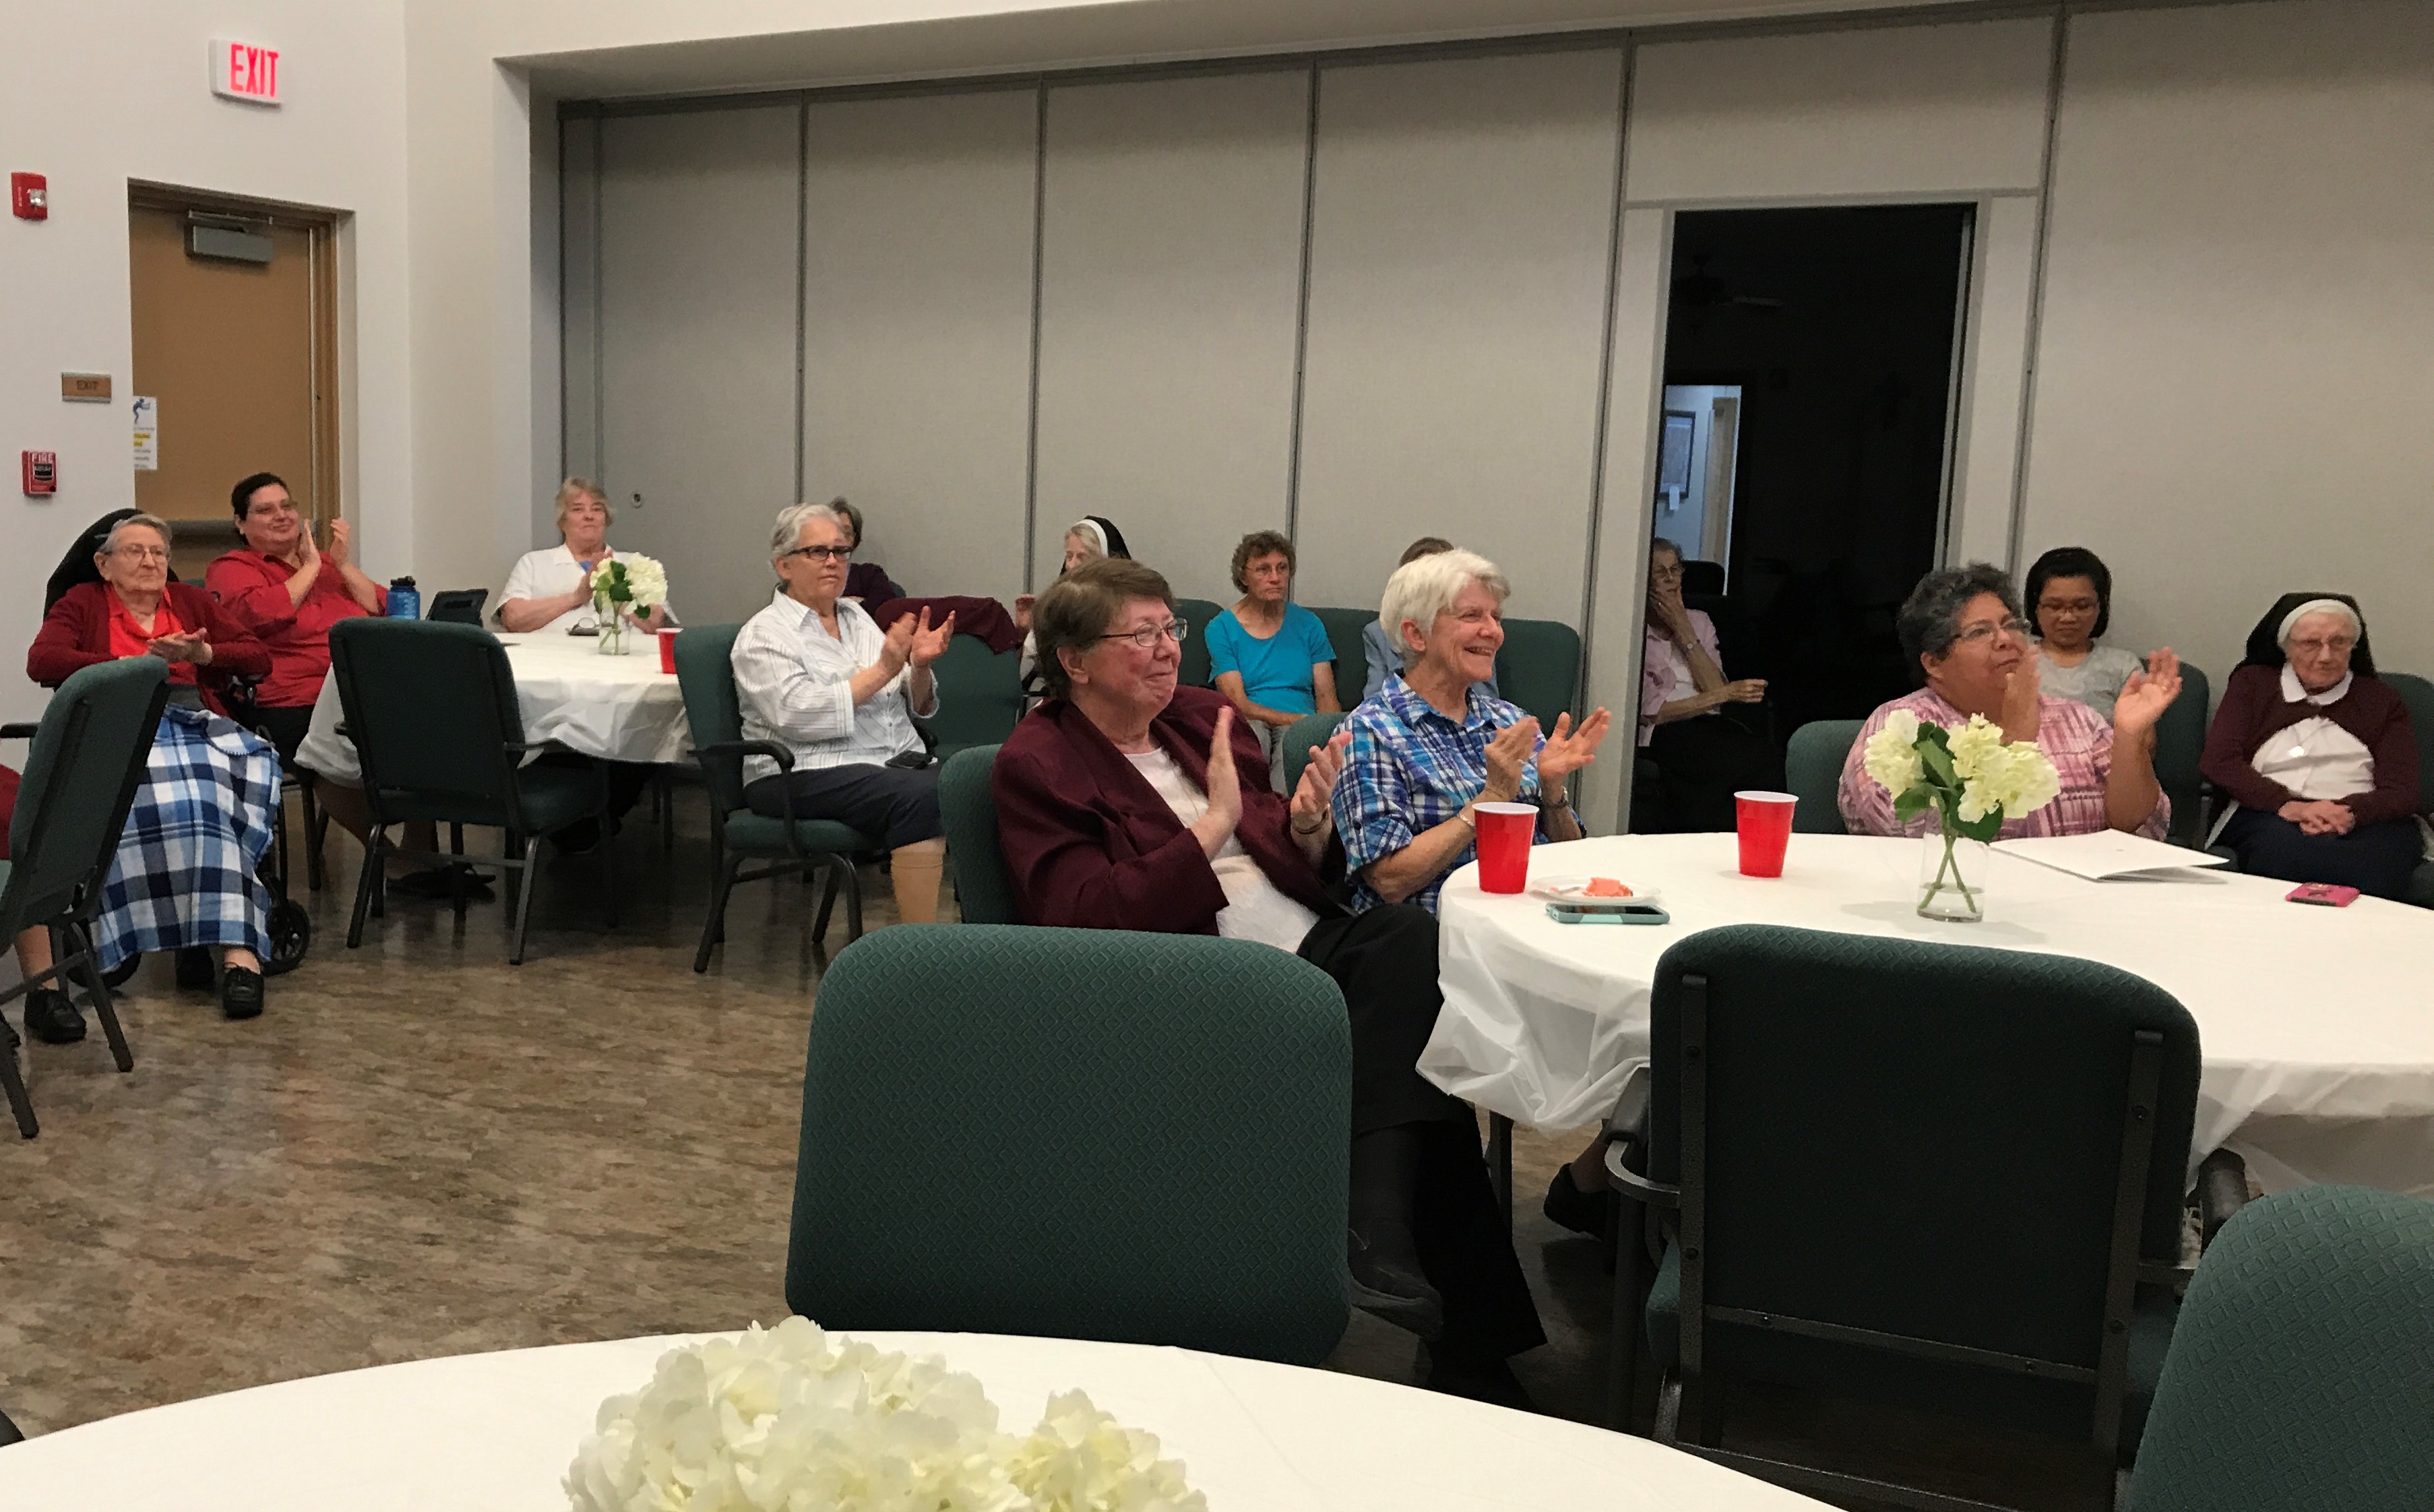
(1409, 769)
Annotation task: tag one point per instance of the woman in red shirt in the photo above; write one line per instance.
(185, 875)
(288, 592)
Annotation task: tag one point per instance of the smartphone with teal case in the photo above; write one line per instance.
(1569, 914)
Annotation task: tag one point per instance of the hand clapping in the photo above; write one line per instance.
(1572, 747)
(923, 643)
(2147, 694)
(1314, 796)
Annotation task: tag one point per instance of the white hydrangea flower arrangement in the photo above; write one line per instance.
(796, 1420)
(1972, 777)
(632, 583)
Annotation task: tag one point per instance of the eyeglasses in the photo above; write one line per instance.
(1666, 573)
(823, 553)
(2067, 606)
(2337, 644)
(1145, 637)
(142, 553)
(1970, 634)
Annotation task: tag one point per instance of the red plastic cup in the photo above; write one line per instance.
(667, 650)
(1763, 821)
(1504, 833)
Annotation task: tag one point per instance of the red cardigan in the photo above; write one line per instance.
(2254, 708)
(76, 635)
(1090, 845)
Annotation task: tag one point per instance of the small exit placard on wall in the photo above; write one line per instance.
(245, 71)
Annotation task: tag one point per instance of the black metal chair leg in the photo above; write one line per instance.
(364, 881)
(523, 907)
(316, 825)
(852, 900)
(1623, 1349)
(828, 897)
(666, 779)
(98, 990)
(713, 928)
(12, 1081)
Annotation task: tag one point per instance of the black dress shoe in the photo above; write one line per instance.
(51, 1017)
(195, 973)
(1387, 1283)
(1488, 1380)
(1583, 1213)
(432, 881)
(240, 992)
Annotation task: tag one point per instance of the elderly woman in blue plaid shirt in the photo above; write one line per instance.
(1432, 744)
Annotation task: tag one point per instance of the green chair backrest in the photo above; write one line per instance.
(1089, 1134)
(968, 811)
(89, 756)
(1196, 612)
(432, 708)
(1310, 729)
(2180, 740)
(2301, 1372)
(980, 695)
(1812, 772)
(1539, 668)
(2418, 695)
(1919, 1140)
(1343, 628)
(712, 711)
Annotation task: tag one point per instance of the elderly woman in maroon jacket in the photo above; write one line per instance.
(2321, 759)
(1123, 803)
(185, 875)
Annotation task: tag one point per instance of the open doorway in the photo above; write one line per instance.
(1826, 343)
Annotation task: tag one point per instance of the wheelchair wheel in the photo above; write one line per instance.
(291, 936)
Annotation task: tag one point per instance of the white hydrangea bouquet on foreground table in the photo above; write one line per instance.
(797, 1419)
(622, 586)
(1974, 780)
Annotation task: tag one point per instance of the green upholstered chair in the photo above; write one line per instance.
(980, 696)
(1343, 628)
(1861, 1191)
(968, 810)
(1196, 612)
(88, 754)
(790, 847)
(430, 708)
(1539, 668)
(1089, 1134)
(2302, 1373)
(2180, 740)
(1812, 771)
(1310, 729)
(2418, 694)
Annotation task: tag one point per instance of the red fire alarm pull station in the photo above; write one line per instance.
(41, 473)
(29, 197)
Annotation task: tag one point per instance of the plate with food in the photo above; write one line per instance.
(1595, 892)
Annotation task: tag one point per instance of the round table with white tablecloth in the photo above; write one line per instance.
(618, 708)
(2317, 1024)
(498, 1432)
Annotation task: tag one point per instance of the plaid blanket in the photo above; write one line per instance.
(195, 834)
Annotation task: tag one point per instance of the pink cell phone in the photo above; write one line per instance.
(2321, 892)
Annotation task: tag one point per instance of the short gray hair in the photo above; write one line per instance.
(1929, 620)
(1660, 543)
(153, 522)
(788, 532)
(1422, 590)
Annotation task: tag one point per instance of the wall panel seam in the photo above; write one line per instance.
(1301, 310)
(1626, 59)
(2032, 354)
(802, 289)
(1038, 280)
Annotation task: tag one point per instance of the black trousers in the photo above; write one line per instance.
(1385, 960)
(899, 803)
(2375, 859)
(627, 779)
(1705, 761)
(284, 729)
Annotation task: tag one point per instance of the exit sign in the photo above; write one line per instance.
(245, 71)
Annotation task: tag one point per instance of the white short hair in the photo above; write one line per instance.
(1420, 590)
(149, 522)
(788, 532)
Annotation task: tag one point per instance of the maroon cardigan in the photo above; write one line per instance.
(2254, 708)
(76, 635)
(1090, 845)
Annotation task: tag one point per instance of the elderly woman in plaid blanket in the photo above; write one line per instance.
(185, 878)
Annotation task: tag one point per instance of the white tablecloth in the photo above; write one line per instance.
(621, 707)
(496, 1433)
(2317, 1024)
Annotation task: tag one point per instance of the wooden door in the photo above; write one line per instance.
(237, 355)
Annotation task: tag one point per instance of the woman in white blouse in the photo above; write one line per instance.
(816, 675)
(551, 589)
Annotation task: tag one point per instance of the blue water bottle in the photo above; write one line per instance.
(405, 599)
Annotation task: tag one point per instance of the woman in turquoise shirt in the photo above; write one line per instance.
(1271, 658)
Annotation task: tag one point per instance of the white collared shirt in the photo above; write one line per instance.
(549, 573)
(2315, 759)
(795, 682)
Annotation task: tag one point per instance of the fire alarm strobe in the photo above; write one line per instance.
(29, 197)
(41, 473)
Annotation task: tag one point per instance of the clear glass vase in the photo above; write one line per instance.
(1952, 876)
(612, 626)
